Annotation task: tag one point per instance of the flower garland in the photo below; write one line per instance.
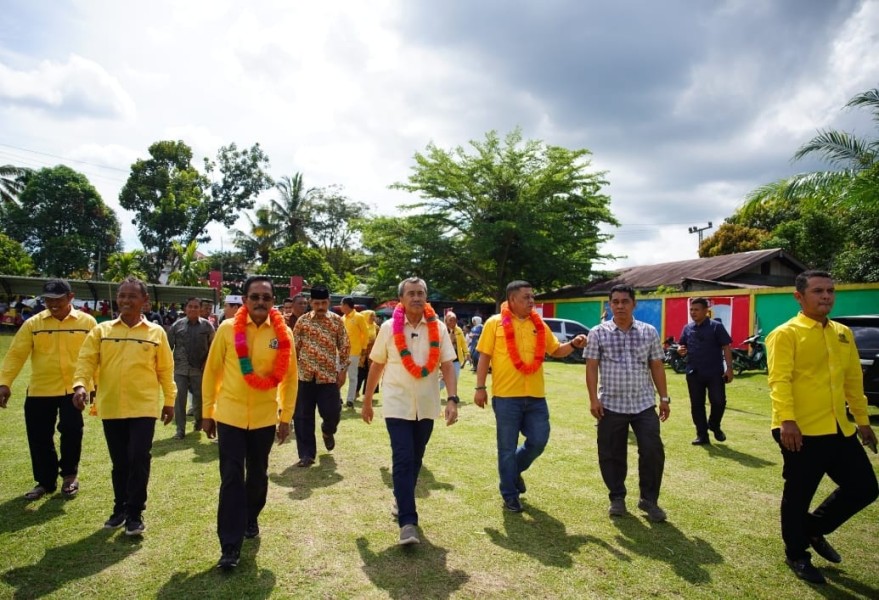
(282, 360)
(432, 334)
(510, 337)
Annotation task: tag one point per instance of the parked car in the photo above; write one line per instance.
(866, 331)
(565, 330)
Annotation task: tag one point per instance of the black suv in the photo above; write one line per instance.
(866, 330)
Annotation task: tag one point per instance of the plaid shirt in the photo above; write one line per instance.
(322, 346)
(626, 384)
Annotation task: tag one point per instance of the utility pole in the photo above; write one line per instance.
(699, 230)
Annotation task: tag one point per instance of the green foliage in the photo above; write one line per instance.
(188, 272)
(12, 182)
(513, 209)
(63, 223)
(299, 259)
(263, 236)
(334, 226)
(292, 210)
(173, 202)
(14, 260)
(731, 238)
(231, 264)
(122, 264)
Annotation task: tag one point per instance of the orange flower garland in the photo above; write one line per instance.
(510, 338)
(433, 335)
(282, 360)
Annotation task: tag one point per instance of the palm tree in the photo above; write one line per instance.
(122, 264)
(187, 271)
(292, 210)
(12, 182)
(263, 236)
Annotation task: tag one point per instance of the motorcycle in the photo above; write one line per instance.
(677, 362)
(750, 355)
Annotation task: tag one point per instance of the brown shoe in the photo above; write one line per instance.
(70, 487)
(36, 493)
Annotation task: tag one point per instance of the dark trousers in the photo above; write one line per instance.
(843, 460)
(408, 442)
(613, 442)
(187, 383)
(129, 442)
(328, 401)
(698, 385)
(244, 479)
(40, 416)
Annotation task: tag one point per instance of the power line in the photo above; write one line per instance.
(84, 162)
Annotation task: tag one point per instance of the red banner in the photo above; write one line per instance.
(295, 285)
(216, 279)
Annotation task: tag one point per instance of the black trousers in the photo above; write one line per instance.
(613, 448)
(244, 479)
(698, 385)
(328, 401)
(841, 458)
(129, 442)
(41, 413)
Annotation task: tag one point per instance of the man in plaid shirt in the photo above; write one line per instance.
(628, 355)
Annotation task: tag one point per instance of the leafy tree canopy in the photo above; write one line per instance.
(14, 260)
(512, 209)
(731, 238)
(63, 223)
(299, 259)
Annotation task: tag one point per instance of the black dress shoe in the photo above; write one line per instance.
(304, 462)
(513, 505)
(252, 530)
(719, 435)
(701, 441)
(329, 441)
(229, 558)
(520, 485)
(824, 549)
(804, 569)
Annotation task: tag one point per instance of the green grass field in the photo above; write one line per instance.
(327, 531)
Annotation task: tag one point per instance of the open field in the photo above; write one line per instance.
(327, 531)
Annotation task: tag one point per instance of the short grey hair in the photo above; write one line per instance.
(413, 280)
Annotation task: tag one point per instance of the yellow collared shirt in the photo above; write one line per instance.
(358, 333)
(813, 372)
(53, 347)
(133, 365)
(506, 380)
(227, 397)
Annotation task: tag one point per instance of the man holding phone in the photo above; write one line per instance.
(706, 344)
(814, 372)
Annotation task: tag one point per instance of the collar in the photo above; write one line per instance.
(808, 322)
(118, 321)
(46, 314)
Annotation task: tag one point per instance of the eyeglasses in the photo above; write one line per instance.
(258, 297)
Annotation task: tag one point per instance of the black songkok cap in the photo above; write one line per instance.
(320, 292)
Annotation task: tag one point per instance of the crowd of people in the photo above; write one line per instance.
(260, 371)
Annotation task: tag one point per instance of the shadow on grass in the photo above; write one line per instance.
(426, 482)
(746, 460)
(304, 480)
(245, 581)
(665, 542)
(840, 585)
(417, 571)
(64, 564)
(543, 537)
(204, 453)
(20, 513)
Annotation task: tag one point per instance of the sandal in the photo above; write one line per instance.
(36, 493)
(70, 487)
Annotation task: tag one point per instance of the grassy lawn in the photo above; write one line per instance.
(327, 531)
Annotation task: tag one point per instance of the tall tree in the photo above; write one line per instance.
(335, 225)
(187, 272)
(299, 259)
(515, 210)
(14, 260)
(63, 223)
(262, 238)
(292, 210)
(731, 238)
(122, 264)
(173, 202)
(12, 182)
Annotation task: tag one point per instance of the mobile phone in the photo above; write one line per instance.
(871, 445)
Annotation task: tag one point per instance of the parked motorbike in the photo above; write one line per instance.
(750, 355)
(677, 362)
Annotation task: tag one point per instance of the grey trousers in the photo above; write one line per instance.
(189, 382)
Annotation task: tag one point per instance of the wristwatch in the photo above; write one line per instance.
(666, 399)
(454, 399)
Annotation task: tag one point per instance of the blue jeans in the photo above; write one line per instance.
(408, 441)
(530, 416)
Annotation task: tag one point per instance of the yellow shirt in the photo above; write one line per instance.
(358, 333)
(506, 380)
(133, 365)
(53, 347)
(228, 398)
(813, 372)
(460, 344)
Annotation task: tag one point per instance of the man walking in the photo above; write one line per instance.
(628, 355)
(52, 340)
(248, 393)
(358, 336)
(190, 339)
(706, 343)
(408, 352)
(322, 350)
(513, 344)
(298, 306)
(231, 305)
(133, 361)
(814, 372)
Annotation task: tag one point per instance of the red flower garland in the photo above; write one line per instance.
(432, 334)
(282, 360)
(510, 338)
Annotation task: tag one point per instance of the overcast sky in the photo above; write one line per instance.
(687, 105)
